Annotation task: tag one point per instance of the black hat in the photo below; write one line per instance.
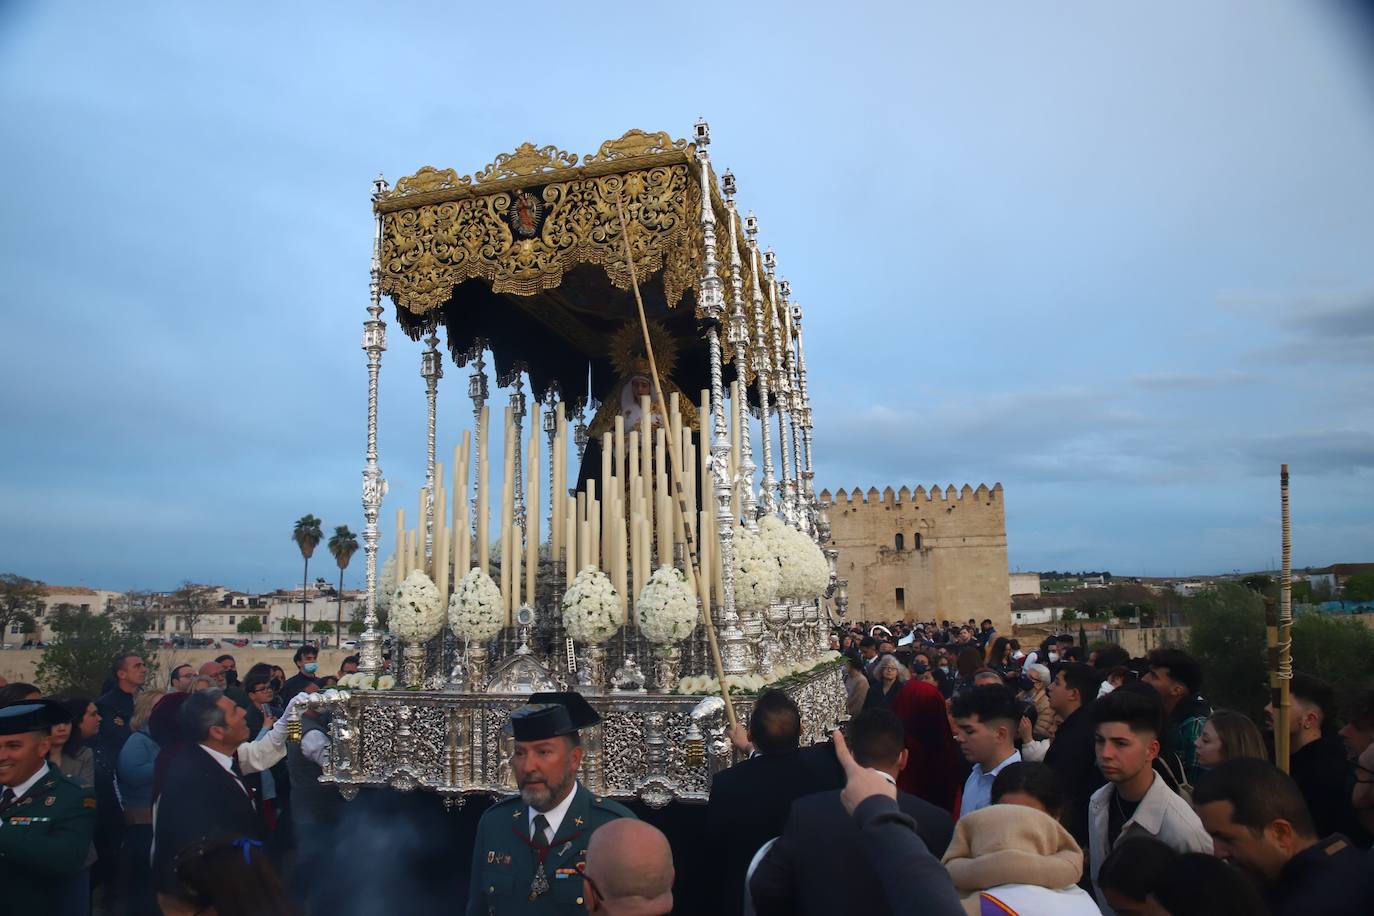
(32, 716)
(548, 715)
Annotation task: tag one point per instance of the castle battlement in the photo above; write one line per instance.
(888, 498)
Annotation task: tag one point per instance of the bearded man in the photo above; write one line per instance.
(531, 849)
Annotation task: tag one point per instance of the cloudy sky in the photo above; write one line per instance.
(1117, 259)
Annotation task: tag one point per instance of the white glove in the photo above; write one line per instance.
(278, 733)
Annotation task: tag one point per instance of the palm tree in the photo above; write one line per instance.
(307, 536)
(342, 545)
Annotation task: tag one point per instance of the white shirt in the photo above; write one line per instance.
(554, 817)
(227, 762)
(315, 747)
(978, 789)
(23, 788)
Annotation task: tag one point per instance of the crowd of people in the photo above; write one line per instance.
(160, 800)
(971, 777)
(1055, 780)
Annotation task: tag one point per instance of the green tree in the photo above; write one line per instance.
(21, 600)
(322, 628)
(307, 535)
(1227, 638)
(342, 545)
(356, 626)
(1258, 582)
(1359, 587)
(78, 656)
(1336, 649)
(250, 624)
(290, 625)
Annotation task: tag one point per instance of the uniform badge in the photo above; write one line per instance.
(577, 821)
(88, 802)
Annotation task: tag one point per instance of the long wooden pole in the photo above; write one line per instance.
(1285, 634)
(685, 518)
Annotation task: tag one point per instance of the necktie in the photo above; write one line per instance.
(6, 799)
(541, 830)
(540, 842)
(238, 774)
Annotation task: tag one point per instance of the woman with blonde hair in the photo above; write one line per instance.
(1226, 735)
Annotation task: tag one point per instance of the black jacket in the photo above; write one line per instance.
(749, 806)
(1073, 758)
(821, 843)
(1330, 877)
(199, 799)
(1323, 774)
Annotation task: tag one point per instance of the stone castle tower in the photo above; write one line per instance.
(937, 555)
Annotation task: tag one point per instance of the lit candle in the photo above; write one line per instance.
(570, 540)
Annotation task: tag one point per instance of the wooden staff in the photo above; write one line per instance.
(1283, 709)
(685, 517)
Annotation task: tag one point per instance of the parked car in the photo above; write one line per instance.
(259, 644)
(349, 644)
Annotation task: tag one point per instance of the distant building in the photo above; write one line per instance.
(937, 555)
(1025, 583)
(97, 601)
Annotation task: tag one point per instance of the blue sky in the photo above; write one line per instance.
(1117, 259)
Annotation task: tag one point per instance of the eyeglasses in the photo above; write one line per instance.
(592, 889)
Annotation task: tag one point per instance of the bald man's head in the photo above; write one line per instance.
(630, 865)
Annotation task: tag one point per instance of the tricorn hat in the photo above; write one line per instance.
(32, 716)
(548, 715)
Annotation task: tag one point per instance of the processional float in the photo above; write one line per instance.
(653, 334)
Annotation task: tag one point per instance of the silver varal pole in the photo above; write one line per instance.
(374, 485)
(762, 362)
(431, 370)
(733, 657)
(739, 336)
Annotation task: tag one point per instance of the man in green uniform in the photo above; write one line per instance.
(531, 849)
(46, 819)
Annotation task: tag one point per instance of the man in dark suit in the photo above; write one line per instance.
(750, 801)
(204, 793)
(821, 841)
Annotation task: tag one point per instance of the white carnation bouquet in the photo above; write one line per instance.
(756, 572)
(417, 611)
(666, 610)
(475, 612)
(386, 584)
(804, 573)
(360, 681)
(591, 607)
(705, 684)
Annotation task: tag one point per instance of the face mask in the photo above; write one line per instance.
(944, 669)
(1054, 656)
(311, 667)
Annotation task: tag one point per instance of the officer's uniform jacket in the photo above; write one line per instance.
(504, 860)
(44, 838)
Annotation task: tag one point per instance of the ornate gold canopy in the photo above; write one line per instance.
(522, 224)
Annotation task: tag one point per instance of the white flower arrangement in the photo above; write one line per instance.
(386, 584)
(360, 681)
(666, 610)
(417, 611)
(756, 572)
(704, 684)
(475, 612)
(591, 607)
(804, 573)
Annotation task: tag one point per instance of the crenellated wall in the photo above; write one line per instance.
(951, 561)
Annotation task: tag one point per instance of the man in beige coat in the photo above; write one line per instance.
(1136, 800)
